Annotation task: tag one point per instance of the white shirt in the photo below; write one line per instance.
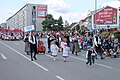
(66, 51)
(30, 39)
(54, 49)
(62, 44)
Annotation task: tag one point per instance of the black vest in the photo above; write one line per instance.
(33, 39)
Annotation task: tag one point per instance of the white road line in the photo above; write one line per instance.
(25, 56)
(17, 44)
(95, 63)
(103, 65)
(59, 78)
(3, 56)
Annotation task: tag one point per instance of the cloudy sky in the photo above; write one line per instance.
(70, 10)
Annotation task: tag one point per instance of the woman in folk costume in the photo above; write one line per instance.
(54, 49)
(76, 45)
(71, 39)
(63, 40)
(65, 51)
(27, 45)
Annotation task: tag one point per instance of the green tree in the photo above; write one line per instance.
(117, 34)
(60, 23)
(52, 24)
(66, 26)
(48, 22)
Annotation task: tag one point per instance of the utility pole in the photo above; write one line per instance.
(95, 12)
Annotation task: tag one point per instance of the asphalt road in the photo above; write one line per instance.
(15, 64)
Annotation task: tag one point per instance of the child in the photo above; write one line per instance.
(93, 55)
(65, 51)
(54, 49)
(88, 56)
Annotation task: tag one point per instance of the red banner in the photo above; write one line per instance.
(107, 15)
(41, 11)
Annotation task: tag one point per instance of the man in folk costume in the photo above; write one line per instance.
(54, 49)
(66, 51)
(33, 45)
(97, 45)
(49, 42)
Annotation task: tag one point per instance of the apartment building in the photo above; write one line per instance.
(30, 14)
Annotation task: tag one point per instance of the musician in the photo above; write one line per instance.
(33, 45)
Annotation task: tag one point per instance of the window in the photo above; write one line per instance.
(33, 7)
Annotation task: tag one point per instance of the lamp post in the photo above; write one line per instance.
(95, 12)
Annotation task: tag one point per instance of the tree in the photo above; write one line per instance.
(66, 23)
(48, 22)
(66, 26)
(117, 34)
(52, 24)
(60, 22)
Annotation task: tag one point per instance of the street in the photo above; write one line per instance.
(15, 64)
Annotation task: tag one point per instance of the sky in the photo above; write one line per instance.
(70, 10)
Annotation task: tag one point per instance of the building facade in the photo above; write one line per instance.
(3, 25)
(107, 17)
(30, 14)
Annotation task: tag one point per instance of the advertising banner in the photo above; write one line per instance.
(106, 16)
(29, 28)
(41, 11)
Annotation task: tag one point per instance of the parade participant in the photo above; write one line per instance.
(62, 45)
(76, 45)
(54, 49)
(33, 45)
(57, 40)
(27, 44)
(50, 39)
(93, 55)
(65, 51)
(89, 43)
(88, 56)
(49, 42)
(71, 38)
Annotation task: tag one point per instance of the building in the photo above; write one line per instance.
(3, 25)
(107, 17)
(30, 14)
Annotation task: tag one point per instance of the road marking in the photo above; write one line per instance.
(24, 56)
(17, 44)
(3, 56)
(103, 65)
(59, 78)
(95, 63)
(40, 66)
(83, 60)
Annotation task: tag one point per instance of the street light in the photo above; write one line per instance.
(95, 11)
